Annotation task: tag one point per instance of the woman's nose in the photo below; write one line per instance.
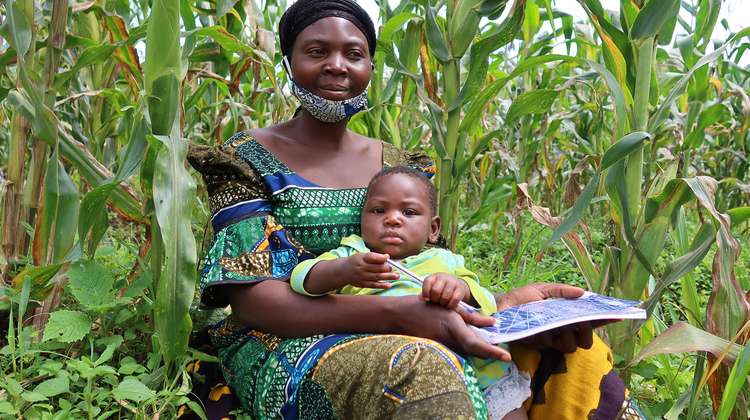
(335, 64)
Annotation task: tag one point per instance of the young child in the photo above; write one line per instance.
(398, 220)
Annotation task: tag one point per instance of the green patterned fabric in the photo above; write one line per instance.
(266, 219)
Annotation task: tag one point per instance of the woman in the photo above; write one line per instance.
(287, 192)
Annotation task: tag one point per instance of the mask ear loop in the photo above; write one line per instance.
(287, 67)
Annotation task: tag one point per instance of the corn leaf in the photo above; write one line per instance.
(683, 264)
(174, 195)
(685, 338)
(652, 17)
(436, 36)
(662, 111)
(532, 102)
(18, 26)
(737, 379)
(59, 214)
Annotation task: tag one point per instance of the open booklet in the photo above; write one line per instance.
(532, 318)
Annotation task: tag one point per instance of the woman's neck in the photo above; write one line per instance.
(308, 129)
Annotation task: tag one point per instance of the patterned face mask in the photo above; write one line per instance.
(323, 109)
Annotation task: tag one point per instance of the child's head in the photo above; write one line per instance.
(399, 216)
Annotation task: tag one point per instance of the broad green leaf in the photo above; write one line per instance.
(532, 102)
(483, 47)
(91, 55)
(623, 148)
(91, 284)
(54, 386)
(135, 150)
(32, 397)
(436, 36)
(708, 116)
(739, 215)
(7, 408)
(163, 65)
(123, 199)
(93, 217)
(225, 39)
(708, 14)
(18, 25)
(462, 26)
(667, 30)
(223, 6)
(112, 343)
(59, 215)
(683, 264)
(174, 195)
(39, 277)
(735, 383)
(578, 209)
(658, 117)
(67, 326)
(652, 17)
(685, 338)
(22, 103)
(132, 389)
(163, 103)
(394, 24)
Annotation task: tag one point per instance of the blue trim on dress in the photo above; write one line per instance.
(238, 211)
(280, 181)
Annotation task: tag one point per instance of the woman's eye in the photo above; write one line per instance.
(316, 52)
(356, 54)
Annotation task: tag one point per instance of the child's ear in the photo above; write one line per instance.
(434, 229)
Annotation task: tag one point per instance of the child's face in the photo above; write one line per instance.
(397, 219)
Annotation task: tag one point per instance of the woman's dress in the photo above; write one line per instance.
(266, 218)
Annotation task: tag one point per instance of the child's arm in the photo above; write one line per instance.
(367, 270)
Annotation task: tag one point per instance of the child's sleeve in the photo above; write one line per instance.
(297, 279)
(482, 296)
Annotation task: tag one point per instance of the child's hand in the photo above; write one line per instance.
(445, 290)
(369, 270)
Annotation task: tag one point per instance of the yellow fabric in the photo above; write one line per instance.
(572, 393)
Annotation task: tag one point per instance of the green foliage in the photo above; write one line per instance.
(527, 117)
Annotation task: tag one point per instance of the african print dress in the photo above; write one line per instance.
(266, 219)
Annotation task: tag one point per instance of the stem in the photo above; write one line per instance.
(449, 193)
(634, 170)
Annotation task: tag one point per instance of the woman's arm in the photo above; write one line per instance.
(272, 306)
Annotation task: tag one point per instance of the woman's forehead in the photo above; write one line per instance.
(331, 29)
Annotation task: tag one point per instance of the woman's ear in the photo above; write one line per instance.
(434, 229)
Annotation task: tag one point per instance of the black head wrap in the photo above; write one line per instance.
(304, 13)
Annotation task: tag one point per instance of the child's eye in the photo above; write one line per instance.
(378, 210)
(410, 212)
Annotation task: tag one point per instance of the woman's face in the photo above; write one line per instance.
(330, 58)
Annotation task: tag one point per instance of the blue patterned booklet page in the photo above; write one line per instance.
(535, 317)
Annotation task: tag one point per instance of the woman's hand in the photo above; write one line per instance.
(565, 339)
(450, 327)
(273, 307)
